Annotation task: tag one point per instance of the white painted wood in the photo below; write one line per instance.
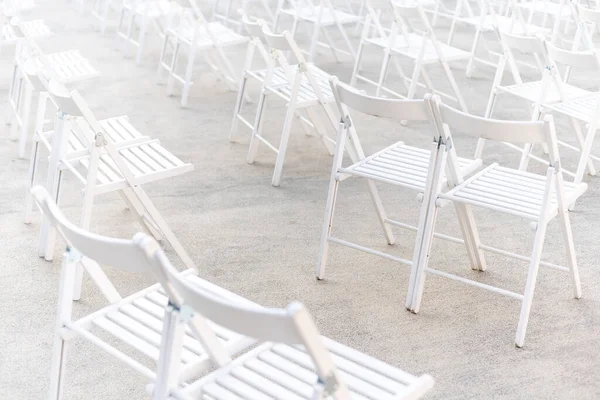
(322, 16)
(192, 33)
(402, 40)
(535, 197)
(304, 88)
(294, 362)
(144, 322)
(403, 166)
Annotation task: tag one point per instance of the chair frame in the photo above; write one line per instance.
(401, 30)
(318, 26)
(348, 141)
(291, 326)
(73, 117)
(219, 62)
(294, 76)
(504, 131)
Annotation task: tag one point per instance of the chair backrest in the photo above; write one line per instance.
(518, 132)
(402, 110)
(588, 15)
(523, 44)
(575, 59)
(292, 325)
(118, 253)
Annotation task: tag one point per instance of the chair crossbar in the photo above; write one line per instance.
(471, 282)
(112, 351)
(368, 250)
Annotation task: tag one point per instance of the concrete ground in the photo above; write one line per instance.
(262, 242)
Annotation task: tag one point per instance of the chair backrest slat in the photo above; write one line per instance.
(524, 44)
(118, 253)
(577, 59)
(517, 132)
(413, 110)
(274, 325)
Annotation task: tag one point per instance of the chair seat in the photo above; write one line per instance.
(402, 165)
(582, 109)
(137, 322)
(412, 47)
(306, 94)
(207, 37)
(505, 25)
(34, 29)
(148, 161)
(510, 191)
(531, 91)
(547, 7)
(328, 15)
(119, 130)
(277, 371)
(70, 66)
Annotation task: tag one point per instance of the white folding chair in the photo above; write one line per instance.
(193, 33)
(223, 11)
(102, 9)
(128, 328)
(584, 110)
(109, 163)
(66, 67)
(559, 11)
(420, 47)
(256, 45)
(401, 165)
(489, 21)
(550, 89)
(14, 30)
(141, 15)
(302, 86)
(292, 361)
(322, 15)
(536, 198)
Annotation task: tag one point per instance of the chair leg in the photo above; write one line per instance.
(65, 305)
(287, 127)
(31, 179)
(384, 70)
(141, 39)
(257, 130)
(320, 128)
(586, 149)
(57, 371)
(174, 59)
(327, 225)
(356, 69)
(238, 107)
(471, 237)
(188, 76)
(421, 260)
(381, 214)
(471, 64)
(534, 266)
(161, 60)
(565, 223)
(314, 43)
(25, 118)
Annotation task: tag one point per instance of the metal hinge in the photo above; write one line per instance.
(345, 119)
(74, 255)
(328, 385)
(186, 313)
(100, 140)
